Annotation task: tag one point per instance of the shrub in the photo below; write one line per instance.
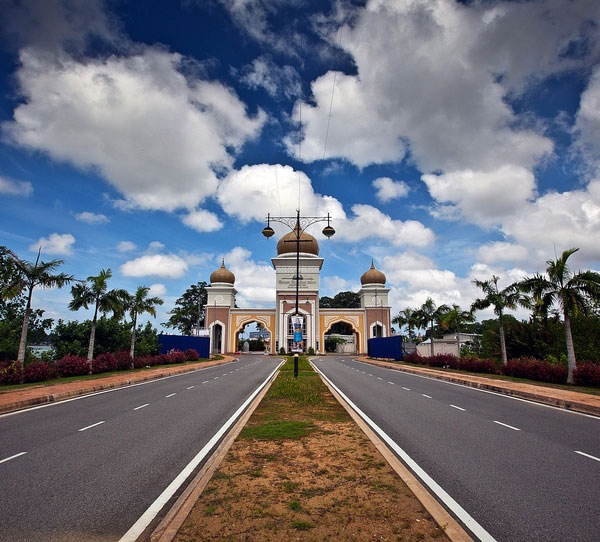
(282, 351)
(443, 360)
(123, 360)
(11, 372)
(415, 358)
(38, 371)
(191, 355)
(587, 374)
(477, 365)
(177, 357)
(104, 363)
(72, 366)
(311, 351)
(535, 369)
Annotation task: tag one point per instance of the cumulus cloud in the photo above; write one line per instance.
(157, 290)
(128, 117)
(331, 285)
(501, 251)
(91, 218)
(255, 281)
(388, 189)
(61, 244)
(126, 246)
(10, 187)
(168, 266)
(202, 220)
(277, 81)
(155, 246)
(588, 121)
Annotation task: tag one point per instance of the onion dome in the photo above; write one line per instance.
(287, 243)
(372, 276)
(222, 275)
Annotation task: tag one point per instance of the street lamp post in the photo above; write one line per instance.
(298, 225)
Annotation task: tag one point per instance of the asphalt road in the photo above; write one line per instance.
(92, 466)
(516, 467)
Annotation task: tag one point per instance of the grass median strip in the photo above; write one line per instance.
(302, 470)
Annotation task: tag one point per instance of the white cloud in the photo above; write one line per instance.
(500, 251)
(129, 117)
(155, 246)
(56, 243)
(254, 281)
(388, 189)
(331, 285)
(91, 218)
(157, 290)
(275, 80)
(126, 246)
(588, 120)
(167, 266)
(202, 220)
(11, 187)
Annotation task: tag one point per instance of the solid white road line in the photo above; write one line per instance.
(12, 457)
(141, 406)
(90, 426)
(450, 503)
(190, 387)
(458, 408)
(428, 396)
(146, 518)
(170, 395)
(506, 425)
(576, 451)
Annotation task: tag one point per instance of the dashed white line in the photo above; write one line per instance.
(458, 408)
(170, 395)
(379, 378)
(224, 374)
(576, 451)
(141, 406)
(215, 377)
(90, 426)
(12, 457)
(428, 396)
(404, 388)
(506, 425)
(369, 374)
(190, 387)
(391, 383)
(205, 382)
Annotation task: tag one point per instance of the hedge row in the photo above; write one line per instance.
(586, 373)
(12, 372)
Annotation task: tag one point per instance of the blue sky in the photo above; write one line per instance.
(449, 140)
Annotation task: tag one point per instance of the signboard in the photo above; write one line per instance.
(297, 324)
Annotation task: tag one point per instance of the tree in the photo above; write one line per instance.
(28, 276)
(96, 293)
(406, 318)
(341, 300)
(572, 293)
(189, 309)
(454, 320)
(508, 298)
(137, 304)
(429, 314)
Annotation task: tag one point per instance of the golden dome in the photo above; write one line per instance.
(372, 276)
(308, 243)
(222, 275)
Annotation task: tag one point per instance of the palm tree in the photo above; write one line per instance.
(508, 298)
(96, 293)
(571, 292)
(454, 320)
(137, 304)
(429, 314)
(405, 318)
(29, 276)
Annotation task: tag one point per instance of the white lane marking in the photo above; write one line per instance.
(369, 374)
(215, 377)
(391, 383)
(170, 395)
(379, 378)
(576, 451)
(224, 374)
(506, 425)
(141, 406)
(428, 396)
(205, 382)
(146, 518)
(460, 512)
(458, 408)
(407, 389)
(12, 457)
(90, 426)
(190, 387)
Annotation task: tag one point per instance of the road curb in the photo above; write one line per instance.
(56, 397)
(442, 517)
(530, 396)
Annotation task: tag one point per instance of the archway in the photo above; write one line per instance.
(346, 328)
(216, 337)
(260, 338)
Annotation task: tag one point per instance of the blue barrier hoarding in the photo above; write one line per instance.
(183, 342)
(386, 347)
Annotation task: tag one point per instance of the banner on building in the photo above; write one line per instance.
(297, 324)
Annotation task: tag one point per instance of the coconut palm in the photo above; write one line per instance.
(29, 276)
(572, 293)
(429, 314)
(508, 298)
(454, 320)
(137, 304)
(95, 292)
(405, 318)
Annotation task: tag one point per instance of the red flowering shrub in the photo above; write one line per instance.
(191, 355)
(536, 369)
(38, 371)
(414, 358)
(177, 357)
(443, 360)
(72, 366)
(162, 359)
(477, 365)
(587, 374)
(123, 360)
(104, 363)
(11, 372)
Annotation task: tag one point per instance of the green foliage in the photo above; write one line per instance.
(254, 345)
(341, 300)
(282, 351)
(311, 351)
(189, 308)
(332, 342)
(278, 430)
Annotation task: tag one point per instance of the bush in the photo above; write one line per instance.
(587, 374)
(104, 363)
(38, 371)
(72, 366)
(11, 372)
(123, 360)
(443, 360)
(311, 351)
(282, 351)
(415, 358)
(534, 369)
(191, 355)
(176, 357)
(477, 365)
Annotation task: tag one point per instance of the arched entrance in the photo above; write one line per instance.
(347, 329)
(341, 338)
(216, 337)
(264, 331)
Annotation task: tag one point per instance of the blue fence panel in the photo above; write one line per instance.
(386, 347)
(183, 342)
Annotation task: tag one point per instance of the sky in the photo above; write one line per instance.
(449, 141)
